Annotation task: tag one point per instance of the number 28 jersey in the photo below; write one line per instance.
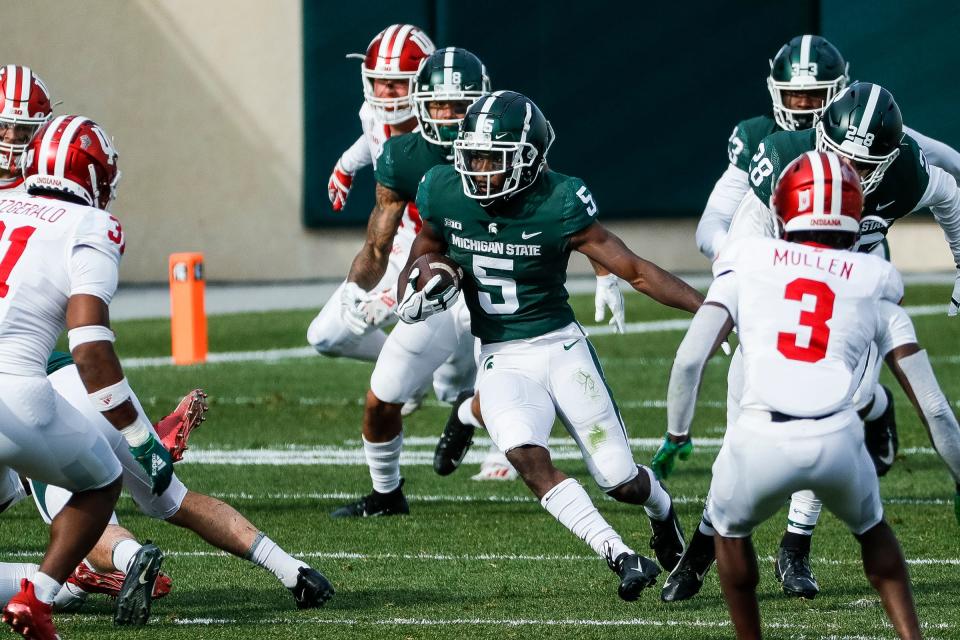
(516, 255)
(37, 276)
(806, 316)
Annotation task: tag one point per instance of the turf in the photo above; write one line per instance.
(478, 560)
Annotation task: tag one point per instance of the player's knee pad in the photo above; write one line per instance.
(159, 507)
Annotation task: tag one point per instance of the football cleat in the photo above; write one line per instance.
(375, 504)
(686, 579)
(636, 574)
(29, 617)
(667, 540)
(455, 440)
(136, 592)
(312, 589)
(880, 437)
(174, 430)
(792, 568)
(90, 581)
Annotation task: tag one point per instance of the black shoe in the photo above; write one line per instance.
(636, 574)
(455, 440)
(792, 568)
(312, 590)
(375, 504)
(686, 580)
(880, 437)
(667, 540)
(136, 592)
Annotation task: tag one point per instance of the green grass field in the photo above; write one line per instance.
(479, 559)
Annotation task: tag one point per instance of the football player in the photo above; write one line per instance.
(511, 223)
(862, 124)
(798, 427)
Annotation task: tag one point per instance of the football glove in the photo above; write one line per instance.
(417, 306)
(338, 187)
(379, 307)
(353, 308)
(156, 461)
(609, 295)
(955, 296)
(667, 454)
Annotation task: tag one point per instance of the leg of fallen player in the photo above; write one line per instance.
(739, 576)
(886, 569)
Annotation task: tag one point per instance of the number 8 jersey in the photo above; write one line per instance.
(49, 250)
(806, 315)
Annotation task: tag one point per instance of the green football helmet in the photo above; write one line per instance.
(453, 76)
(504, 134)
(807, 64)
(863, 123)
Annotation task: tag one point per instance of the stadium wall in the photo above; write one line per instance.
(208, 101)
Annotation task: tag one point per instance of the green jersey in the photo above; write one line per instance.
(898, 194)
(514, 257)
(746, 137)
(58, 360)
(405, 159)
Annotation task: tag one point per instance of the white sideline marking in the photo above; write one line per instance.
(273, 355)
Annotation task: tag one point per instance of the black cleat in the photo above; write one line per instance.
(375, 504)
(636, 574)
(792, 568)
(136, 592)
(667, 540)
(880, 437)
(686, 580)
(312, 590)
(455, 440)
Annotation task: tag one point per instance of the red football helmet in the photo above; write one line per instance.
(24, 108)
(394, 54)
(73, 155)
(819, 191)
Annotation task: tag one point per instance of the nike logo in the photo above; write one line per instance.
(142, 579)
(567, 347)
(881, 207)
(527, 236)
(499, 136)
(888, 459)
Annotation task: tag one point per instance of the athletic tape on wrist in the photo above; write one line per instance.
(89, 333)
(111, 397)
(137, 433)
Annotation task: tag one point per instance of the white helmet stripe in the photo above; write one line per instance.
(818, 180)
(10, 93)
(398, 43)
(64, 145)
(25, 85)
(868, 112)
(448, 66)
(836, 183)
(44, 160)
(384, 51)
(526, 123)
(481, 121)
(805, 53)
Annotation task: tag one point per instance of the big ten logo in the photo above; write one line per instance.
(180, 271)
(853, 135)
(809, 69)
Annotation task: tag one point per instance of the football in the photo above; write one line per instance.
(433, 264)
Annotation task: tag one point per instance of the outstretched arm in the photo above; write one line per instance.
(604, 247)
(371, 262)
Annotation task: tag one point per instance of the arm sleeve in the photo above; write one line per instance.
(894, 328)
(939, 154)
(356, 156)
(692, 356)
(943, 198)
(579, 208)
(726, 196)
(93, 272)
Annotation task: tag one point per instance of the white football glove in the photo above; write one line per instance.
(380, 307)
(955, 296)
(417, 306)
(353, 308)
(609, 295)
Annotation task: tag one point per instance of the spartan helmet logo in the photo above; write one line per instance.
(492, 228)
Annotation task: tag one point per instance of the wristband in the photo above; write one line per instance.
(89, 333)
(112, 396)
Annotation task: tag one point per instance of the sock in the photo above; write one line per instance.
(123, 554)
(879, 404)
(700, 551)
(383, 460)
(45, 587)
(798, 541)
(706, 527)
(266, 553)
(465, 413)
(569, 503)
(658, 504)
(11, 573)
(804, 513)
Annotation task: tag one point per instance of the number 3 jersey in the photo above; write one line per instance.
(516, 255)
(806, 316)
(40, 270)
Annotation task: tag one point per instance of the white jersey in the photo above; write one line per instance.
(37, 276)
(806, 317)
